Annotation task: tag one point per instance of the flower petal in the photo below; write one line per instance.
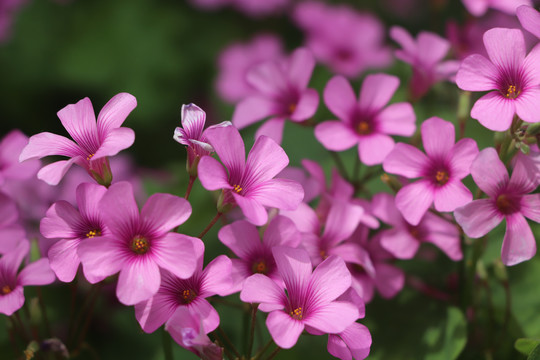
(405, 160)
(294, 266)
(265, 160)
(119, 209)
(154, 312)
(53, 173)
(494, 111)
(376, 91)
(518, 244)
(272, 128)
(530, 207)
(193, 120)
(80, 122)
(306, 105)
(443, 234)
(332, 318)
(177, 253)
(355, 341)
(462, 155)
(477, 73)
(164, 212)
(478, 217)
(335, 135)
(62, 221)
(373, 149)
(259, 288)
(389, 279)
(438, 137)
(281, 231)
(251, 110)
(343, 218)
(489, 173)
(217, 277)
(101, 257)
(279, 193)
(253, 210)
(88, 197)
(413, 200)
(339, 97)
(451, 195)
(114, 113)
(329, 280)
(116, 140)
(138, 281)
(527, 105)
(241, 237)
(12, 302)
(284, 330)
(64, 260)
(37, 273)
(529, 18)
(301, 65)
(212, 174)
(45, 144)
(230, 148)
(505, 47)
(397, 119)
(399, 243)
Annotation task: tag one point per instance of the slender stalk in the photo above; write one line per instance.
(263, 350)
(73, 288)
(44, 312)
(86, 324)
(214, 220)
(339, 164)
(190, 186)
(356, 170)
(21, 327)
(274, 353)
(215, 338)
(252, 330)
(17, 327)
(167, 344)
(228, 342)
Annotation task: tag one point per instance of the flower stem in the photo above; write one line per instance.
(214, 220)
(167, 344)
(190, 186)
(339, 164)
(229, 343)
(274, 353)
(252, 329)
(44, 312)
(263, 350)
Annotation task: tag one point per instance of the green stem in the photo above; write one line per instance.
(274, 353)
(227, 341)
(214, 220)
(93, 297)
(167, 344)
(44, 312)
(339, 164)
(252, 329)
(263, 350)
(190, 186)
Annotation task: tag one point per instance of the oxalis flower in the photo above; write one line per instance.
(514, 77)
(309, 301)
(440, 169)
(529, 18)
(249, 183)
(138, 245)
(94, 141)
(508, 199)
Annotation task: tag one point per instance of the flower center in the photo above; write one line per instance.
(139, 245)
(413, 230)
(512, 92)
(6, 290)
(297, 314)
(237, 188)
(441, 177)
(90, 156)
(260, 267)
(323, 254)
(188, 296)
(506, 204)
(291, 108)
(93, 233)
(363, 128)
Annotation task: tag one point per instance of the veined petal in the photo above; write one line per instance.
(193, 119)
(279, 193)
(505, 47)
(529, 18)
(494, 111)
(61, 221)
(339, 97)
(397, 119)
(518, 243)
(119, 209)
(438, 137)
(332, 318)
(489, 173)
(477, 73)
(376, 91)
(343, 218)
(294, 266)
(114, 113)
(241, 237)
(525, 176)
(253, 210)
(138, 281)
(301, 65)
(261, 289)
(281, 231)
(101, 257)
(80, 122)
(37, 273)
(354, 341)
(45, 144)
(116, 140)
(177, 253)
(217, 277)
(230, 148)
(335, 135)
(527, 105)
(530, 207)
(88, 197)
(272, 128)
(212, 174)
(413, 200)
(478, 217)
(164, 212)
(53, 173)
(451, 195)
(251, 110)
(64, 260)
(329, 280)
(405, 160)
(154, 312)
(284, 330)
(265, 160)
(306, 106)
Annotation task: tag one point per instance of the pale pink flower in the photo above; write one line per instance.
(529, 18)
(11, 232)
(480, 7)
(11, 146)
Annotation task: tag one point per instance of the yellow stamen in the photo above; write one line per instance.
(6, 289)
(323, 254)
(90, 156)
(297, 313)
(260, 267)
(140, 245)
(237, 188)
(93, 233)
(512, 92)
(188, 296)
(292, 108)
(363, 128)
(441, 177)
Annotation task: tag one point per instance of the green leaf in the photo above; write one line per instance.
(525, 345)
(447, 340)
(535, 354)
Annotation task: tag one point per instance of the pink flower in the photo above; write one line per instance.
(425, 55)
(514, 77)
(365, 122)
(255, 256)
(282, 94)
(12, 283)
(349, 42)
(440, 171)
(508, 199)
(249, 184)
(11, 146)
(192, 135)
(310, 298)
(72, 227)
(191, 293)
(138, 245)
(479, 7)
(95, 141)
(237, 59)
(404, 239)
(529, 19)
(11, 233)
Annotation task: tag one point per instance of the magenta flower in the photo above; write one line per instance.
(366, 122)
(188, 293)
(11, 146)
(94, 141)
(237, 59)
(11, 233)
(73, 226)
(425, 55)
(192, 135)
(310, 298)
(12, 282)
(255, 256)
(479, 7)
(440, 171)
(347, 41)
(508, 199)
(404, 239)
(529, 18)
(282, 94)
(514, 77)
(249, 184)
(138, 245)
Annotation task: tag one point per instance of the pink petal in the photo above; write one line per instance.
(279, 193)
(530, 66)
(212, 174)
(444, 235)
(406, 41)
(405, 160)
(272, 128)
(281, 231)
(241, 237)
(397, 119)
(101, 257)
(478, 217)
(373, 149)
(301, 65)
(343, 218)
(193, 120)
(37, 273)
(304, 218)
(529, 19)
(230, 148)
(329, 280)
(10, 237)
(154, 312)
(494, 111)
(505, 47)
(138, 281)
(462, 156)
(518, 244)
(217, 277)
(414, 200)
(438, 137)
(53, 173)
(399, 243)
(339, 97)
(268, 78)
(294, 266)
(251, 110)
(377, 90)
(475, 7)
(45, 144)
(383, 206)
(527, 105)
(335, 135)
(451, 195)
(477, 73)
(332, 318)
(252, 209)
(284, 330)
(8, 210)
(12, 302)
(525, 176)
(64, 260)
(261, 289)
(164, 212)
(88, 197)
(355, 340)
(306, 106)
(80, 122)
(389, 279)
(489, 173)
(177, 253)
(432, 47)
(207, 314)
(62, 221)
(119, 209)
(116, 140)
(115, 112)
(530, 207)
(265, 160)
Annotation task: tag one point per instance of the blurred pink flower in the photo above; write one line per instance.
(11, 232)
(479, 7)
(11, 146)
(529, 18)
